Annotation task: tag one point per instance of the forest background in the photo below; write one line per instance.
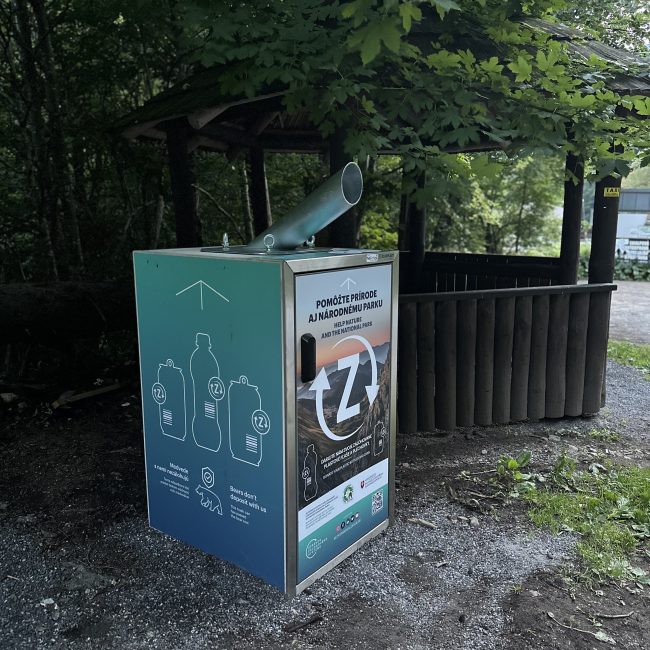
(76, 197)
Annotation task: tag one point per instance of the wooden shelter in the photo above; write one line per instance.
(484, 339)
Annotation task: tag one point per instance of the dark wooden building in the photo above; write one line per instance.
(483, 339)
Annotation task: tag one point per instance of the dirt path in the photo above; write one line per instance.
(630, 315)
(79, 567)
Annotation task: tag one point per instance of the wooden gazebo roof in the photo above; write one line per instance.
(217, 122)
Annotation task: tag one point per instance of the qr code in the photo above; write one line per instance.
(377, 502)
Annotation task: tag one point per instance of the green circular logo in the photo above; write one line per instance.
(348, 493)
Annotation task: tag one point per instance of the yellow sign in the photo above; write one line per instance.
(612, 192)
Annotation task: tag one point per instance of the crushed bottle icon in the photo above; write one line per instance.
(208, 392)
(379, 439)
(309, 474)
(247, 421)
(169, 393)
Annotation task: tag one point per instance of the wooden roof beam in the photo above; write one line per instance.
(256, 129)
(199, 119)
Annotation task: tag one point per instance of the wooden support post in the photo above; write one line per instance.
(344, 232)
(412, 233)
(259, 191)
(188, 227)
(603, 236)
(402, 243)
(416, 234)
(571, 219)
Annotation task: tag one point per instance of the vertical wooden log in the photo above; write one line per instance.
(571, 219)
(407, 406)
(503, 342)
(596, 360)
(188, 227)
(426, 383)
(466, 371)
(556, 354)
(537, 371)
(576, 353)
(259, 191)
(603, 236)
(521, 358)
(485, 316)
(446, 365)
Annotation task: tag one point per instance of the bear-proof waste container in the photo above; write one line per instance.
(268, 391)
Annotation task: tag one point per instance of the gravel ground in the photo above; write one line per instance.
(79, 567)
(630, 308)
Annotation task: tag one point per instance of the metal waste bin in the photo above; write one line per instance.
(268, 390)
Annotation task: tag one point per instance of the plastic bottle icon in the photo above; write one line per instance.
(169, 393)
(208, 391)
(247, 421)
(309, 473)
(379, 439)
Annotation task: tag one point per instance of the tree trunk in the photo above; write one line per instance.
(259, 191)
(244, 195)
(59, 154)
(39, 172)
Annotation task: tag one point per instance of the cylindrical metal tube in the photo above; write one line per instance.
(329, 201)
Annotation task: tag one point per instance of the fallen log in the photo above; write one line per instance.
(61, 311)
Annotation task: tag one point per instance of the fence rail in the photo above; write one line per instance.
(469, 271)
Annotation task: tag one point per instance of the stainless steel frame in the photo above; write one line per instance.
(291, 268)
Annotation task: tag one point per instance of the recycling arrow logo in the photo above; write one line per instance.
(345, 411)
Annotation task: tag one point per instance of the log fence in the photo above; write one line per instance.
(501, 355)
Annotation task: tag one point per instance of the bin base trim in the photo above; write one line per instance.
(339, 558)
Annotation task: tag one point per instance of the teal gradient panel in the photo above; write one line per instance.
(213, 411)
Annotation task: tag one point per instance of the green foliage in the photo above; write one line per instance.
(505, 206)
(509, 475)
(364, 65)
(414, 76)
(607, 506)
(620, 23)
(624, 269)
(638, 178)
(630, 354)
(603, 434)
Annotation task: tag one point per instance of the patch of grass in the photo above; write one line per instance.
(604, 434)
(609, 507)
(630, 354)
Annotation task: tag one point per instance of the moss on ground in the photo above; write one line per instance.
(607, 506)
(630, 354)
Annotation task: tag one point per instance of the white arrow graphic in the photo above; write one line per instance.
(373, 389)
(201, 285)
(321, 384)
(347, 282)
